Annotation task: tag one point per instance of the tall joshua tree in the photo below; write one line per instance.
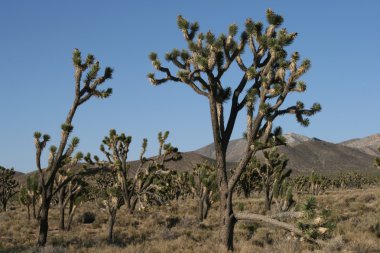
(8, 186)
(85, 88)
(262, 89)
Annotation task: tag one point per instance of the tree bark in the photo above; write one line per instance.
(111, 223)
(267, 199)
(69, 222)
(28, 208)
(44, 224)
(4, 206)
(228, 223)
(34, 208)
(61, 200)
(200, 209)
(131, 204)
(206, 207)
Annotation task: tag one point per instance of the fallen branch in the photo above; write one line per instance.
(286, 215)
(277, 223)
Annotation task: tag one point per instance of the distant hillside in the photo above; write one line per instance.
(369, 144)
(236, 147)
(306, 154)
(328, 158)
(188, 162)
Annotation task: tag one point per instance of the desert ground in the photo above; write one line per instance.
(355, 214)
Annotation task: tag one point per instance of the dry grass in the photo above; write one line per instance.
(175, 229)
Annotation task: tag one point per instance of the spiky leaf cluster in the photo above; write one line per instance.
(209, 56)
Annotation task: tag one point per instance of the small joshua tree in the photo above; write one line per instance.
(203, 184)
(131, 188)
(109, 193)
(250, 182)
(267, 81)
(272, 172)
(85, 88)
(67, 188)
(25, 200)
(69, 194)
(300, 184)
(32, 187)
(142, 185)
(8, 186)
(283, 195)
(318, 183)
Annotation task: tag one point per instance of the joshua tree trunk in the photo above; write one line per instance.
(61, 218)
(28, 208)
(228, 222)
(72, 209)
(111, 223)
(268, 199)
(34, 208)
(61, 200)
(131, 204)
(206, 207)
(44, 219)
(200, 209)
(70, 219)
(69, 222)
(203, 206)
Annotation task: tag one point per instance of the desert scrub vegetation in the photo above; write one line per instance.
(355, 214)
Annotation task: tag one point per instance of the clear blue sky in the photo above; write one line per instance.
(341, 38)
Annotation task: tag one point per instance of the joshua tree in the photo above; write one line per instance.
(203, 184)
(318, 183)
(132, 187)
(8, 186)
(141, 185)
(300, 184)
(77, 192)
(69, 193)
(25, 200)
(61, 156)
(32, 187)
(109, 192)
(250, 181)
(266, 81)
(272, 173)
(65, 188)
(283, 195)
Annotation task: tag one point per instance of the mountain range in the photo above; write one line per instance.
(305, 154)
